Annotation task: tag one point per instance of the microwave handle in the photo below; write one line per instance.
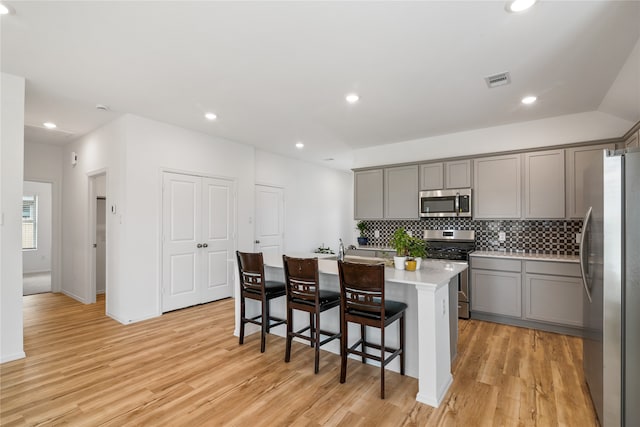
(457, 206)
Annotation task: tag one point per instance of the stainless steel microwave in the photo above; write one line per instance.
(445, 203)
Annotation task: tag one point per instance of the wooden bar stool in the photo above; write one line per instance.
(304, 293)
(254, 286)
(362, 301)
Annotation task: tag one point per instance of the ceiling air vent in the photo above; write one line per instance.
(500, 79)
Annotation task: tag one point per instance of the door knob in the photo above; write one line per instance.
(204, 245)
(257, 241)
(199, 245)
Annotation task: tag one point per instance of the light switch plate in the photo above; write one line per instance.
(578, 237)
(376, 234)
(502, 236)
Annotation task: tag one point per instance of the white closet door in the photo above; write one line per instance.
(181, 258)
(218, 236)
(269, 219)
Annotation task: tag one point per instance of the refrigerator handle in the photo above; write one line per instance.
(584, 253)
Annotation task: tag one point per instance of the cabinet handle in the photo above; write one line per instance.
(199, 245)
(204, 245)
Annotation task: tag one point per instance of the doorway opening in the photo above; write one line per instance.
(98, 234)
(37, 234)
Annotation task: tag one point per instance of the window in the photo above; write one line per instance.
(29, 222)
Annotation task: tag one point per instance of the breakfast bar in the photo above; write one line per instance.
(431, 296)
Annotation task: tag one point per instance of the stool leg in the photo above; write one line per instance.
(382, 362)
(317, 343)
(243, 315)
(287, 353)
(363, 335)
(311, 329)
(265, 324)
(402, 332)
(343, 348)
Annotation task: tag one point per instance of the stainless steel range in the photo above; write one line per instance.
(454, 245)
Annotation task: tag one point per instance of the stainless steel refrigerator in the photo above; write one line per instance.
(610, 262)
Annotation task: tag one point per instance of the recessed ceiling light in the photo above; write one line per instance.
(352, 98)
(49, 125)
(210, 116)
(519, 5)
(299, 145)
(529, 99)
(4, 10)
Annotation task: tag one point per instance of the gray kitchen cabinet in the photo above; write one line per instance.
(496, 292)
(497, 187)
(447, 175)
(368, 197)
(457, 174)
(544, 184)
(401, 192)
(633, 141)
(432, 176)
(556, 298)
(583, 167)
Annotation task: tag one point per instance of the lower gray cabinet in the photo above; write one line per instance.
(496, 292)
(554, 299)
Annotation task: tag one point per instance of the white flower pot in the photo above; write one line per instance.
(398, 262)
(418, 263)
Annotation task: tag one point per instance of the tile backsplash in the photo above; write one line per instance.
(553, 236)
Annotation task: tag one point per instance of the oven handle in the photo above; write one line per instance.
(457, 206)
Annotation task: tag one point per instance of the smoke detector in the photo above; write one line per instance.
(499, 79)
(101, 107)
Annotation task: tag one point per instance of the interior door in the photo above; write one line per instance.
(182, 223)
(218, 239)
(269, 219)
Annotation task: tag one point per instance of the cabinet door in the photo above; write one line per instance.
(496, 292)
(458, 174)
(633, 141)
(554, 299)
(497, 187)
(583, 166)
(544, 184)
(368, 194)
(431, 176)
(401, 192)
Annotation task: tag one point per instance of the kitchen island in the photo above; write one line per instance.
(430, 293)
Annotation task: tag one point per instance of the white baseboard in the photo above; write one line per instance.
(130, 321)
(74, 296)
(11, 357)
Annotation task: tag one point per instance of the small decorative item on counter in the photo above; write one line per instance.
(323, 250)
(363, 228)
(410, 264)
(400, 242)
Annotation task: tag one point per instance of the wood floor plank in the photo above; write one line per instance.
(186, 368)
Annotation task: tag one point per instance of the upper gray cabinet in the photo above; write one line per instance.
(457, 174)
(544, 184)
(497, 187)
(401, 192)
(432, 176)
(368, 188)
(633, 141)
(584, 177)
(447, 175)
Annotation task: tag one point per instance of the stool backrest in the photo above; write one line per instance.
(251, 269)
(362, 288)
(301, 278)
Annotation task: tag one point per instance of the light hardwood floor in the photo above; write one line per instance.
(186, 368)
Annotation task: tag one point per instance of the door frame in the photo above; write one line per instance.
(159, 254)
(56, 232)
(91, 235)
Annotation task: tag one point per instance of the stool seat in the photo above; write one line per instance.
(270, 287)
(304, 294)
(391, 308)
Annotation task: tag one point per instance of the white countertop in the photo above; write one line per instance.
(432, 272)
(375, 248)
(527, 256)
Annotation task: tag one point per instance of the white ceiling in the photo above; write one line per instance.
(277, 72)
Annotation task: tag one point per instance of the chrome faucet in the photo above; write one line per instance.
(341, 251)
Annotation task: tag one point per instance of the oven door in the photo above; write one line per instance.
(445, 203)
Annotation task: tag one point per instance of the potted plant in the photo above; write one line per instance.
(400, 242)
(363, 227)
(417, 250)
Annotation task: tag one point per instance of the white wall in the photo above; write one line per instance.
(39, 259)
(318, 201)
(43, 162)
(539, 133)
(11, 174)
(623, 98)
